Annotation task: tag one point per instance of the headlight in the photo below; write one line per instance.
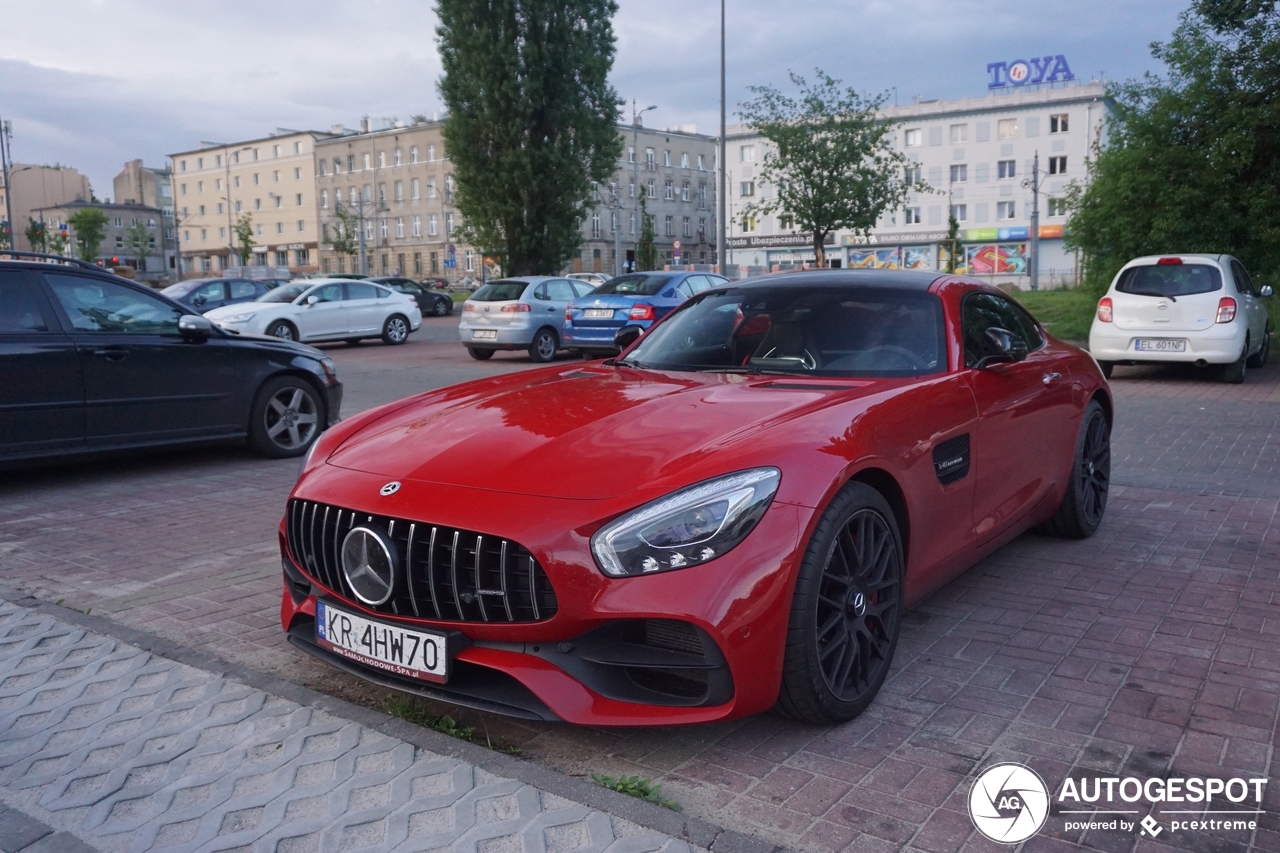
(688, 527)
(329, 368)
(238, 318)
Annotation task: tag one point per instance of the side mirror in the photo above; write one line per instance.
(1266, 290)
(313, 300)
(193, 327)
(626, 336)
(1007, 347)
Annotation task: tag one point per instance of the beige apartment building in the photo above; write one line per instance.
(36, 187)
(271, 179)
(399, 185)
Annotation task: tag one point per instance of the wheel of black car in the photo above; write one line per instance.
(1081, 510)
(480, 354)
(395, 330)
(443, 307)
(1233, 373)
(287, 416)
(1259, 359)
(282, 329)
(846, 611)
(1106, 367)
(544, 346)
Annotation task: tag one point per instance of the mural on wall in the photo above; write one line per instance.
(918, 258)
(995, 259)
(875, 259)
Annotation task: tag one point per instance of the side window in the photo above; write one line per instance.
(95, 305)
(361, 290)
(717, 281)
(982, 311)
(1244, 284)
(686, 287)
(540, 292)
(243, 289)
(19, 305)
(560, 291)
(214, 291)
(581, 288)
(328, 293)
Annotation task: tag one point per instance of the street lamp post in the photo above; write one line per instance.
(1033, 262)
(6, 134)
(226, 156)
(635, 170)
(722, 162)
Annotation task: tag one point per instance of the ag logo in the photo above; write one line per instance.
(1009, 803)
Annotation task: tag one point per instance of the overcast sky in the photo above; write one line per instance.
(94, 83)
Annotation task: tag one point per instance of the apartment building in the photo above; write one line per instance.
(114, 250)
(977, 154)
(36, 187)
(150, 187)
(271, 179)
(397, 182)
(675, 171)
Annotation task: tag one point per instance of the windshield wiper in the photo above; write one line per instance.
(1153, 293)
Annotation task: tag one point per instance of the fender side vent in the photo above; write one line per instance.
(951, 459)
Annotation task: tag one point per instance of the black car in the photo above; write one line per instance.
(90, 362)
(205, 294)
(431, 303)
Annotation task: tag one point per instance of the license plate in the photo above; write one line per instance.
(598, 313)
(484, 335)
(412, 654)
(1157, 345)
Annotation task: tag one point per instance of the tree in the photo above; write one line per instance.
(58, 242)
(952, 242)
(6, 236)
(243, 232)
(829, 163)
(137, 241)
(345, 239)
(646, 254)
(1192, 163)
(90, 226)
(37, 235)
(532, 121)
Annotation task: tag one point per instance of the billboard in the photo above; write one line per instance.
(995, 259)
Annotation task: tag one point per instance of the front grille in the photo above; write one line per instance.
(443, 573)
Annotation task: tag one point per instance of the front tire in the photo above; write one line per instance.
(395, 330)
(1259, 359)
(1080, 513)
(283, 330)
(286, 417)
(544, 346)
(846, 612)
(443, 308)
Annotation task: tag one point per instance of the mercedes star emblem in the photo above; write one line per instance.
(369, 565)
(389, 489)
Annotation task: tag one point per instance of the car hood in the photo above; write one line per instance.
(245, 308)
(585, 433)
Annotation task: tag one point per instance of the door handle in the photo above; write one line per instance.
(1050, 378)
(112, 353)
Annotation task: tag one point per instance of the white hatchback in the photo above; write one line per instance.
(1201, 309)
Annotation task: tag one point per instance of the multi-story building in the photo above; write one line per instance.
(271, 179)
(115, 249)
(398, 184)
(150, 187)
(977, 155)
(675, 172)
(36, 187)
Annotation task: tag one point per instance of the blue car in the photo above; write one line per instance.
(637, 299)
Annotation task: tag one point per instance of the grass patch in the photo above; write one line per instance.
(634, 786)
(460, 297)
(410, 709)
(1067, 314)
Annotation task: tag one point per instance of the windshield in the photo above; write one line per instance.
(815, 331)
(638, 285)
(500, 291)
(182, 288)
(285, 293)
(1170, 280)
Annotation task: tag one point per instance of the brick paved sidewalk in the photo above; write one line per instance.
(131, 752)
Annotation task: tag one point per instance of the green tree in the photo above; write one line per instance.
(646, 254)
(532, 121)
(37, 235)
(344, 234)
(58, 242)
(952, 242)
(243, 232)
(90, 226)
(137, 241)
(830, 161)
(1192, 162)
(6, 236)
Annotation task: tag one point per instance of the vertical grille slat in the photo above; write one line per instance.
(315, 531)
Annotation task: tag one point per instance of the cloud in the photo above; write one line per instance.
(105, 81)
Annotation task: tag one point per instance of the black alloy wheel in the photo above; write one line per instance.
(282, 330)
(395, 330)
(846, 612)
(443, 308)
(1080, 513)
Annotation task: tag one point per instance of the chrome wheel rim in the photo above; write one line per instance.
(397, 330)
(283, 332)
(291, 418)
(1095, 469)
(546, 346)
(858, 605)
(442, 309)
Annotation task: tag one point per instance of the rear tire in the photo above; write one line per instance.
(1233, 373)
(395, 330)
(1259, 359)
(1080, 513)
(1106, 367)
(480, 354)
(287, 416)
(846, 612)
(544, 346)
(283, 330)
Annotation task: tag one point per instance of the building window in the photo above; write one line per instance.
(1006, 169)
(667, 191)
(417, 261)
(257, 203)
(613, 223)
(182, 189)
(631, 154)
(364, 162)
(633, 224)
(400, 227)
(367, 193)
(432, 226)
(960, 212)
(632, 189)
(448, 187)
(202, 210)
(911, 138)
(687, 227)
(653, 188)
(448, 224)
(700, 166)
(219, 207)
(382, 192)
(431, 153)
(1006, 210)
(297, 173)
(259, 229)
(353, 195)
(669, 226)
(324, 198)
(595, 225)
(382, 228)
(298, 199)
(1058, 165)
(275, 176)
(414, 189)
(382, 159)
(236, 182)
(182, 166)
(911, 216)
(470, 257)
(959, 174)
(302, 225)
(351, 162)
(959, 133)
(204, 233)
(1058, 123)
(279, 227)
(413, 158)
(279, 201)
(399, 191)
(368, 230)
(417, 232)
(256, 180)
(911, 173)
(222, 233)
(648, 159)
(302, 257)
(1007, 128)
(748, 224)
(396, 157)
(748, 188)
(238, 208)
(1057, 207)
(702, 195)
(431, 187)
(297, 148)
(199, 186)
(684, 191)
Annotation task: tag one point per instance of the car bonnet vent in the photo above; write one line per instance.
(951, 459)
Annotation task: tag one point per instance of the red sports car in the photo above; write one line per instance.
(730, 516)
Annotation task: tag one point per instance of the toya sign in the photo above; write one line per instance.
(1024, 72)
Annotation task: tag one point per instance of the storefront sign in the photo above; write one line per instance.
(896, 238)
(982, 234)
(1051, 231)
(290, 246)
(1023, 72)
(776, 241)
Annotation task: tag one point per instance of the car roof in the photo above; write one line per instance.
(890, 279)
(1151, 259)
